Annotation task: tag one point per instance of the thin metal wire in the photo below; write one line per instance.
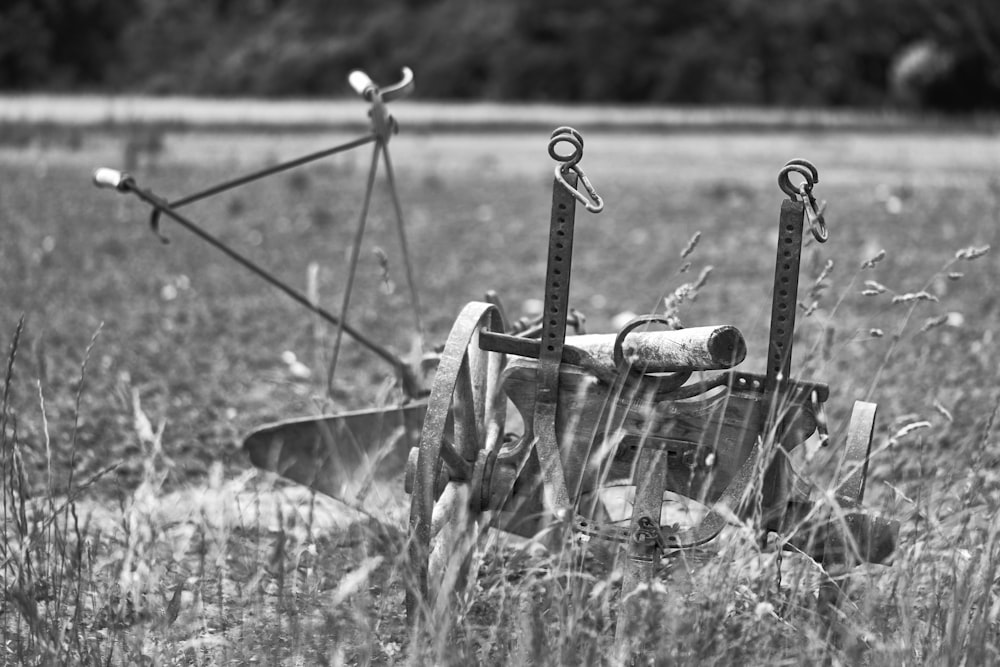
(352, 268)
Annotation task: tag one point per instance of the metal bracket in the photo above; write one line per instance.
(556, 309)
(784, 300)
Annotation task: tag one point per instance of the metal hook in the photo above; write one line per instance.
(802, 162)
(569, 162)
(806, 171)
(591, 201)
(154, 224)
(814, 215)
(813, 210)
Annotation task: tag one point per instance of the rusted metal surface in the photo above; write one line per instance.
(337, 455)
(611, 410)
(785, 296)
(555, 306)
(460, 409)
(644, 544)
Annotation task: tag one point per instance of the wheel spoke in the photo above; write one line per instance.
(479, 368)
(464, 409)
(495, 401)
(452, 505)
(459, 468)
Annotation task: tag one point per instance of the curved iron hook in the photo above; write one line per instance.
(569, 162)
(813, 210)
(666, 382)
(806, 171)
(802, 162)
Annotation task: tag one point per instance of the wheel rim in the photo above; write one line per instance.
(854, 467)
(464, 417)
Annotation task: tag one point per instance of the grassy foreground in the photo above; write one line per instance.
(135, 534)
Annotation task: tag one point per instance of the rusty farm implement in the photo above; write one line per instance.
(525, 427)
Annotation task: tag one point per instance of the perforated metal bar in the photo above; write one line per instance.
(556, 305)
(786, 287)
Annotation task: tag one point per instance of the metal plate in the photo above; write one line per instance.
(338, 454)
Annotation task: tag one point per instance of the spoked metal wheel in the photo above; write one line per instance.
(464, 420)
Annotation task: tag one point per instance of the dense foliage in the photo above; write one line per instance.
(932, 53)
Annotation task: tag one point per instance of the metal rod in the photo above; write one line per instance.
(640, 557)
(269, 171)
(785, 297)
(352, 268)
(161, 205)
(407, 265)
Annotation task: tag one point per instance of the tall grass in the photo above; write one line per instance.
(238, 577)
(744, 602)
(162, 566)
(236, 572)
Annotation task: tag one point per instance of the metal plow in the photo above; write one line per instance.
(527, 427)
(601, 412)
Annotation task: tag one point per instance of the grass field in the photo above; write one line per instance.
(184, 352)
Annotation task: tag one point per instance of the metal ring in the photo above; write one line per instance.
(785, 183)
(665, 382)
(570, 136)
(617, 351)
(802, 162)
(566, 129)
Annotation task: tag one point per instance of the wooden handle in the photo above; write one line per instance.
(695, 349)
(360, 82)
(111, 179)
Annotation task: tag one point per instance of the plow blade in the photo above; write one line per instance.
(340, 454)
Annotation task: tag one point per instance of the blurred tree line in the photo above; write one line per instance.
(942, 54)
